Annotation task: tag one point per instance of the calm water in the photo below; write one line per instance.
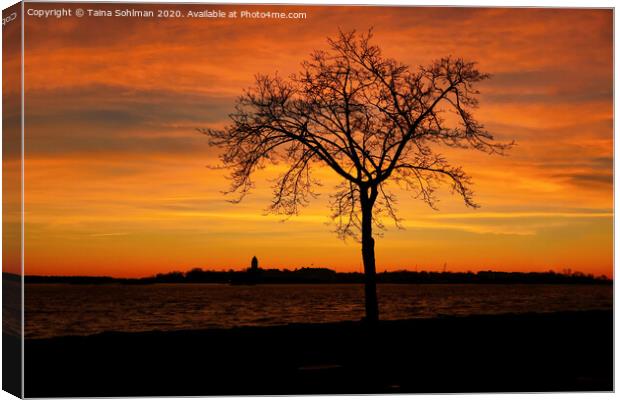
(59, 310)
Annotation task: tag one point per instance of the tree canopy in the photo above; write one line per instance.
(370, 118)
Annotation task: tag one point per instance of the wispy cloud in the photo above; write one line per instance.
(109, 234)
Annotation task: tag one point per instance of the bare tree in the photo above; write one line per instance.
(369, 118)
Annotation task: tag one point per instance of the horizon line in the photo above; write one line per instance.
(569, 272)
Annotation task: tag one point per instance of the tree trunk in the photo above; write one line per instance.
(368, 256)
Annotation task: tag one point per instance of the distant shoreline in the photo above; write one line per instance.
(323, 276)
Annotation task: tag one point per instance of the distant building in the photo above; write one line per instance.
(254, 264)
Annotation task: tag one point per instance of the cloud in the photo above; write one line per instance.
(112, 120)
(588, 180)
(109, 234)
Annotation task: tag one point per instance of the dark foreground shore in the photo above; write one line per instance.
(506, 353)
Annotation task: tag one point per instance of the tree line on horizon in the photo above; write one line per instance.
(326, 275)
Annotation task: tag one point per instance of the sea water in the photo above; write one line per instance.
(63, 309)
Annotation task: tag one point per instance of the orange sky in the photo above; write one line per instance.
(115, 177)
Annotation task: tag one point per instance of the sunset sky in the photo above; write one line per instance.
(116, 177)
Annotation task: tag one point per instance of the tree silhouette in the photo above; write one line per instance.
(369, 118)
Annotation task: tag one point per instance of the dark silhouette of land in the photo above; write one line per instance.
(324, 275)
(565, 351)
